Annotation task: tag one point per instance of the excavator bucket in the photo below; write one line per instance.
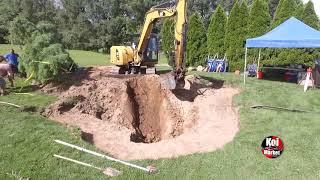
(168, 81)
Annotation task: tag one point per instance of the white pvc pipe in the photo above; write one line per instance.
(101, 155)
(10, 104)
(77, 162)
(245, 66)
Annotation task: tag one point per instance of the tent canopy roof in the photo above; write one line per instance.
(290, 34)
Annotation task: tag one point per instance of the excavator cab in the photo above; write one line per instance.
(151, 53)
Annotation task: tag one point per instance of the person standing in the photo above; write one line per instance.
(13, 60)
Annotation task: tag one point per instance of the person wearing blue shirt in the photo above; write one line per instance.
(12, 60)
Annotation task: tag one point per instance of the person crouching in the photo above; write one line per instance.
(6, 71)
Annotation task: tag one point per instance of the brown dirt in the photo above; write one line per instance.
(134, 117)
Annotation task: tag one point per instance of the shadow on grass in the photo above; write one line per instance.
(216, 83)
(73, 79)
(197, 88)
(24, 89)
(66, 81)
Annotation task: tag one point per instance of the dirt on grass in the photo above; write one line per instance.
(135, 117)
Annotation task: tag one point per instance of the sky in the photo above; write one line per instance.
(316, 5)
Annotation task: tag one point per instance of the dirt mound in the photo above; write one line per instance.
(134, 117)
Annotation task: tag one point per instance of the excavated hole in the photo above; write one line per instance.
(110, 110)
(149, 114)
(140, 104)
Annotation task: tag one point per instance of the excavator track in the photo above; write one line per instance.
(168, 80)
(133, 70)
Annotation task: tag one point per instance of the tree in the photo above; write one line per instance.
(49, 28)
(259, 23)
(75, 27)
(231, 39)
(3, 34)
(32, 10)
(20, 30)
(299, 11)
(304, 56)
(167, 35)
(277, 10)
(112, 32)
(243, 19)
(99, 24)
(259, 18)
(285, 10)
(196, 41)
(236, 33)
(203, 7)
(273, 6)
(309, 16)
(227, 5)
(138, 9)
(216, 32)
(38, 10)
(243, 33)
(9, 9)
(232, 26)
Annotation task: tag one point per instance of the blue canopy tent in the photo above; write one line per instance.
(290, 34)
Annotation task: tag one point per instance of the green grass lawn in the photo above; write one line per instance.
(27, 140)
(88, 58)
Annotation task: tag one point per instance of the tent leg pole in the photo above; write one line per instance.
(259, 60)
(245, 66)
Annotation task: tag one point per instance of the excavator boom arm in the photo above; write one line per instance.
(165, 10)
(180, 33)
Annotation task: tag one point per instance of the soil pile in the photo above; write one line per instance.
(134, 117)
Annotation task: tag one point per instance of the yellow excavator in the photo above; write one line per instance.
(143, 58)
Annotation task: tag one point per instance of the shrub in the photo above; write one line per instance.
(44, 59)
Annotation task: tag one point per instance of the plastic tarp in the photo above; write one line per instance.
(214, 63)
(290, 34)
